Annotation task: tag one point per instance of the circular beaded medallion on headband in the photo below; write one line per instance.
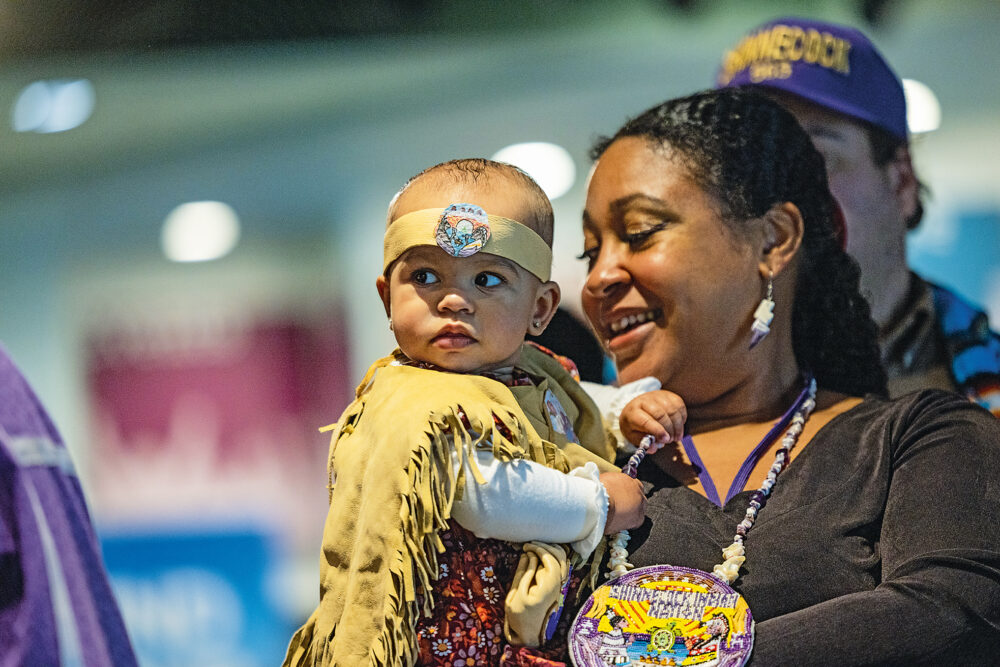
(464, 230)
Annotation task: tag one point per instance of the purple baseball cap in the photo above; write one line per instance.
(831, 65)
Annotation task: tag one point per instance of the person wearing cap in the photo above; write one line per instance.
(843, 92)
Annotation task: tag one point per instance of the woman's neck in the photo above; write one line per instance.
(761, 397)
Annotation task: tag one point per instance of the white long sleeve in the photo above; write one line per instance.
(523, 500)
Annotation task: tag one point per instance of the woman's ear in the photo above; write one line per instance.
(382, 285)
(783, 230)
(547, 300)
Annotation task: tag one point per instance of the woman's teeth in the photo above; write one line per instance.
(632, 320)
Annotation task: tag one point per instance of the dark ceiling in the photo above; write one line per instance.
(45, 27)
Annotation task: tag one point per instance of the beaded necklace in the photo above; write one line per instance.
(684, 612)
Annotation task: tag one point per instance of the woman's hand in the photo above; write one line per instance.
(626, 502)
(660, 414)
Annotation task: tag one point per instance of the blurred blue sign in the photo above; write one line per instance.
(198, 598)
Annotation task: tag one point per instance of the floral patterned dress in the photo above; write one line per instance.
(466, 625)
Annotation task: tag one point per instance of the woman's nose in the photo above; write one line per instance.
(607, 274)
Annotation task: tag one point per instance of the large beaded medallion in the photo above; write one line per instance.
(663, 615)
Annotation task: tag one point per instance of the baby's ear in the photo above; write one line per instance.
(547, 300)
(382, 285)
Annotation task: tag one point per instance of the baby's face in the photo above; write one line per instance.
(464, 314)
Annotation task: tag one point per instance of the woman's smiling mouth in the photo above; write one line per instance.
(626, 323)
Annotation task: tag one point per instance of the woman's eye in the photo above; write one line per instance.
(589, 255)
(488, 280)
(424, 277)
(637, 239)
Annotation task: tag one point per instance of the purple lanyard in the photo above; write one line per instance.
(743, 474)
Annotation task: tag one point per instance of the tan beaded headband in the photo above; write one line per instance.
(465, 229)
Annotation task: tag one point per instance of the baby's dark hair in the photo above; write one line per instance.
(484, 173)
(750, 154)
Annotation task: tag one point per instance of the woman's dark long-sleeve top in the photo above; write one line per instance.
(880, 543)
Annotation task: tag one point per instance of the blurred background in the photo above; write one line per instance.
(192, 199)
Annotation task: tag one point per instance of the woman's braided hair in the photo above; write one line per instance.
(750, 154)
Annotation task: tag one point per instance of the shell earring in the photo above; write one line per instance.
(390, 324)
(763, 315)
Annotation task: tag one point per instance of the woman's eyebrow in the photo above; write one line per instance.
(637, 200)
(622, 205)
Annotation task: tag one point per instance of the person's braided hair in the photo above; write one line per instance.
(750, 155)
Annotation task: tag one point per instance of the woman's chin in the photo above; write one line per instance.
(631, 370)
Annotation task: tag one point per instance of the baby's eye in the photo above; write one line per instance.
(424, 277)
(485, 279)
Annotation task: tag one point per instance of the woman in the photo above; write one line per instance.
(880, 543)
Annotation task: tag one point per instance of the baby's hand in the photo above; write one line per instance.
(626, 502)
(660, 414)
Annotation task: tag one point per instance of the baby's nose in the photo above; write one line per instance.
(455, 300)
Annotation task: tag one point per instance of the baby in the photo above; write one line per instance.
(463, 444)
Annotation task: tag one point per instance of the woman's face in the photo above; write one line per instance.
(670, 289)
